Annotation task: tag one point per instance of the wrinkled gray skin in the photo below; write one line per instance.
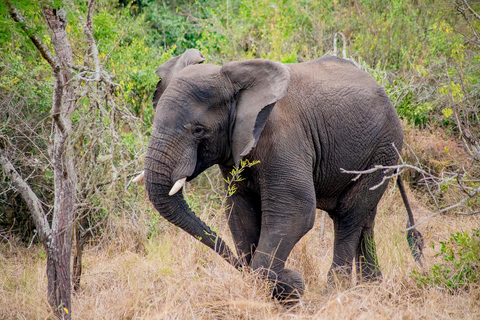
(303, 122)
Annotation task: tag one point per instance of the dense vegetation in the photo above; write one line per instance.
(425, 53)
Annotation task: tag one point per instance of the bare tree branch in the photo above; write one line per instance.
(92, 45)
(42, 48)
(471, 192)
(471, 10)
(34, 204)
(91, 6)
(463, 12)
(57, 101)
(459, 203)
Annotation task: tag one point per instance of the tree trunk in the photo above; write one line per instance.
(77, 258)
(57, 238)
(58, 262)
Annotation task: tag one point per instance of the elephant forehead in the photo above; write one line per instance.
(188, 92)
(198, 89)
(205, 81)
(175, 111)
(199, 69)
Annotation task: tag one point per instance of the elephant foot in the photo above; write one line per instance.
(289, 287)
(368, 271)
(339, 278)
(370, 276)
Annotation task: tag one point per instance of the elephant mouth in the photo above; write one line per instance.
(140, 180)
(180, 181)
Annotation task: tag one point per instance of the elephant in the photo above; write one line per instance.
(304, 123)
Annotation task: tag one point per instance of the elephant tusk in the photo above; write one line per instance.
(177, 186)
(140, 178)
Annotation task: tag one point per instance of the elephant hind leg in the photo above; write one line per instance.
(353, 222)
(344, 250)
(366, 258)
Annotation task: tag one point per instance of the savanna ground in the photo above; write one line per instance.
(152, 270)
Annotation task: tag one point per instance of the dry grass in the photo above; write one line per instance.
(173, 276)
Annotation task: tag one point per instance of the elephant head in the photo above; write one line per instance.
(205, 115)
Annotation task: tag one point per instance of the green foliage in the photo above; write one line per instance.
(126, 50)
(384, 35)
(23, 73)
(154, 224)
(235, 175)
(277, 30)
(172, 25)
(461, 269)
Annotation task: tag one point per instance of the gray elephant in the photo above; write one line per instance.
(303, 122)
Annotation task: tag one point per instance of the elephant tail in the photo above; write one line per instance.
(414, 237)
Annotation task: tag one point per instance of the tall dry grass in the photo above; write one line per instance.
(173, 276)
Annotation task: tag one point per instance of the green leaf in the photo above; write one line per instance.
(447, 112)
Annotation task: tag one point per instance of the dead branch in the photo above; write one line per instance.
(463, 12)
(459, 203)
(471, 192)
(34, 204)
(42, 48)
(92, 45)
(471, 10)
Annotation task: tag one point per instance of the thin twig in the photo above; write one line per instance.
(459, 203)
(471, 10)
(33, 238)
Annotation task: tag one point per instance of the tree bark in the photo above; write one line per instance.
(58, 262)
(56, 239)
(77, 258)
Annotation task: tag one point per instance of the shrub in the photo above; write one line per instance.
(461, 267)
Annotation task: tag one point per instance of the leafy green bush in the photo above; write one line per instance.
(127, 50)
(278, 30)
(461, 269)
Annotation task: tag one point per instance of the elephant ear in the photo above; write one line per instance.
(167, 70)
(258, 85)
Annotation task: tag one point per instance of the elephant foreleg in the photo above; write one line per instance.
(244, 221)
(286, 218)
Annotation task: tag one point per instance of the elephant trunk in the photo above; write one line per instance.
(158, 183)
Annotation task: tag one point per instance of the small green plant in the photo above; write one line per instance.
(153, 225)
(235, 175)
(461, 269)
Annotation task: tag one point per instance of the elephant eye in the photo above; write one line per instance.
(198, 131)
